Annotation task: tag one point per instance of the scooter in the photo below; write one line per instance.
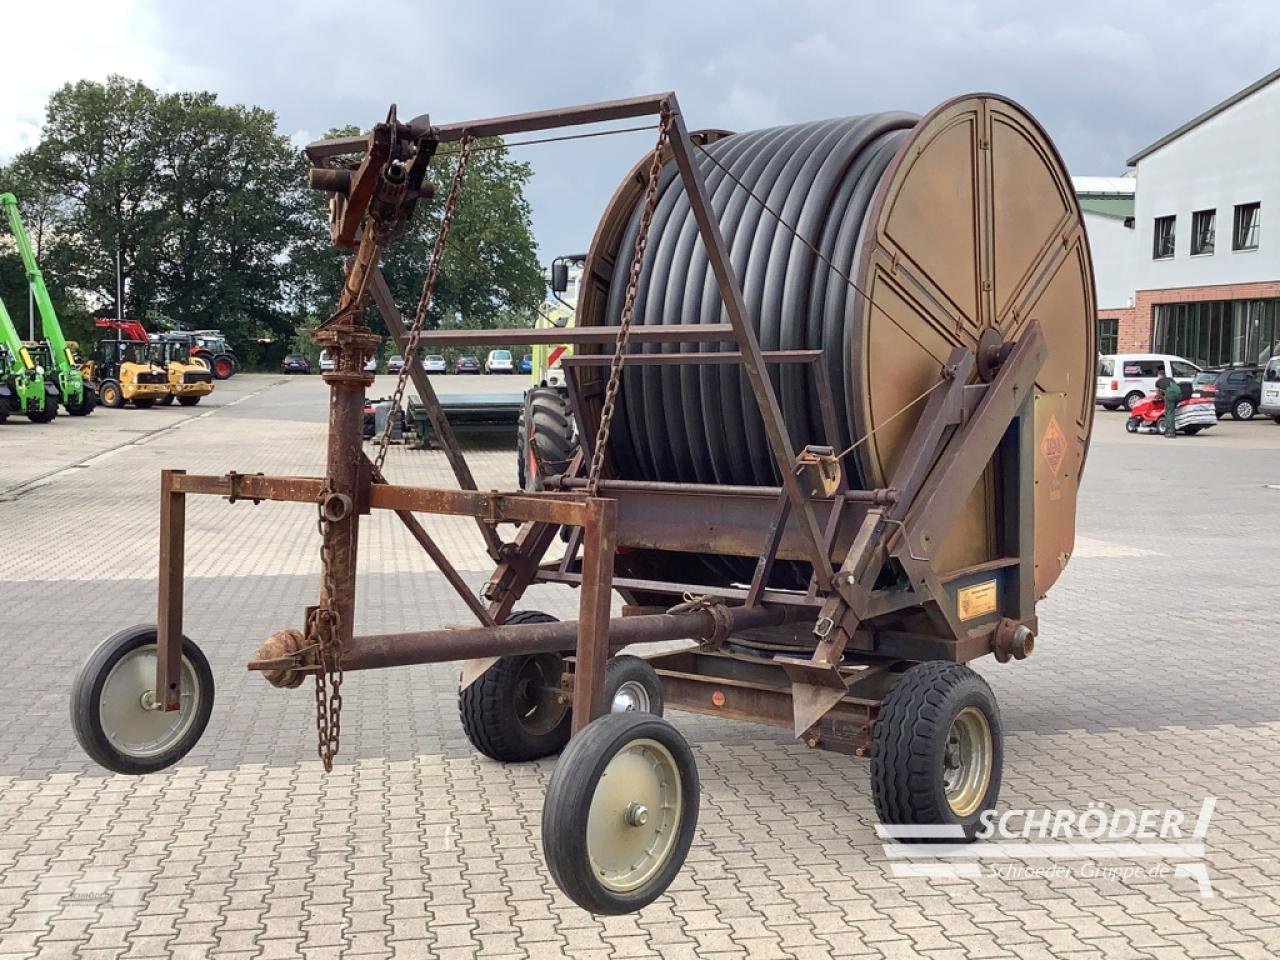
(1191, 416)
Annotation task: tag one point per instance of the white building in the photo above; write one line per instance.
(1204, 268)
(1107, 204)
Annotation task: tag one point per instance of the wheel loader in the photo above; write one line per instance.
(122, 371)
(189, 379)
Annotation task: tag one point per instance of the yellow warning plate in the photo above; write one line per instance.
(977, 600)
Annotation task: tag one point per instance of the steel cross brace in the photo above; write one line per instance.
(943, 460)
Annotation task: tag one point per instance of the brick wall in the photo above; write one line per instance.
(1137, 323)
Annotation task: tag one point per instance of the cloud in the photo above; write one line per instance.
(1104, 79)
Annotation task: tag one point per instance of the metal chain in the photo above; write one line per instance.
(323, 630)
(628, 306)
(424, 301)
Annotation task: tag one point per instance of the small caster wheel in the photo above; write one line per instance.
(620, 812)
(937, 751)
(631, 685)
(514, 712)
(1131, 425)
(113, 704)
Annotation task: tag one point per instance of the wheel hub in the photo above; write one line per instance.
(631, 697)
(635, 815)
(966, 761)
(132, 718)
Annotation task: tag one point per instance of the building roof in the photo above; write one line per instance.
(1106, 196)
(1213, 111)
(1105, 186)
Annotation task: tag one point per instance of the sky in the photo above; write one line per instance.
(1105, 79)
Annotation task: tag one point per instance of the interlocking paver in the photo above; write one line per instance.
(415, 847)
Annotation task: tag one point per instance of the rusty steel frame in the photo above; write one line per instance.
(963, 427)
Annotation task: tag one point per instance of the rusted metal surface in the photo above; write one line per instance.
(675, 333)
(593, 612)
(440, 646)
(173, 521)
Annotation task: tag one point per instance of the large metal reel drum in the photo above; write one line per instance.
(961, 227)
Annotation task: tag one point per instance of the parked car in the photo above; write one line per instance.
(466, 364)
(1238, 392)
(395, 363)
(295, 363)
(1205, 383)
(326, 361)
(371, 365)
(434, 364)
(526, 364)
(1270, 405)
(1125, 378)
(498, 361)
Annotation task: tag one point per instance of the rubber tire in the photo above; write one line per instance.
(166, 400)
(624, 668)
(87, 688)
(144, 403)
(1276, 420)
(1111, 406)
(85, 407)
(223, 366)
(573, 783)
(189, 401)
(909, 740)
(1131, 425)
(487, 719)
(550, 434)
(43, 416)
(1192, 431)
(1133, 399)
(110, 395)
(1243, 402)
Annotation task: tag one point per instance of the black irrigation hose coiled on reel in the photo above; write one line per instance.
(700, 423)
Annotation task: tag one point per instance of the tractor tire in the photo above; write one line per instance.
(550, 434)
(189, 401)
(223, 366)
(144, 403)
(85, 407)
(507, 714)
(110, 394)
(43, 416)
(522, 452)
(166, 400)
(937, 752)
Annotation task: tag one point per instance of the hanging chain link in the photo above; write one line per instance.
(324, 630)
(628, 306)
(424, 301)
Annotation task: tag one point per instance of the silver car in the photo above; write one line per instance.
(434, 364)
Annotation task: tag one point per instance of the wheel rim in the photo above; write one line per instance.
(631, 697)
(635, 816)
(109, 396)
(537, 702)
(129, 721)
(1244, 411)
(966, 762)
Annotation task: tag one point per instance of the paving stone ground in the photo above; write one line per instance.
(1154, 684)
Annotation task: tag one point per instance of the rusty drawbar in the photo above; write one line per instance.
(833, 383)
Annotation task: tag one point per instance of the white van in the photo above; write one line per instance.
(1270, 405)
(499, 361)
(327, 363)
(1125, 378)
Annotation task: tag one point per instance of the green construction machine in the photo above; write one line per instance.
(54, 357)
(24, 387)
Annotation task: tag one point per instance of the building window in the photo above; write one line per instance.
(1108, 335)
(1215, 333)
(1162, 245)
(1202, 228)
(1248, 223)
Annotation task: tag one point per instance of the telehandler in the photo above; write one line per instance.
(53, 353)
(24, 388)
